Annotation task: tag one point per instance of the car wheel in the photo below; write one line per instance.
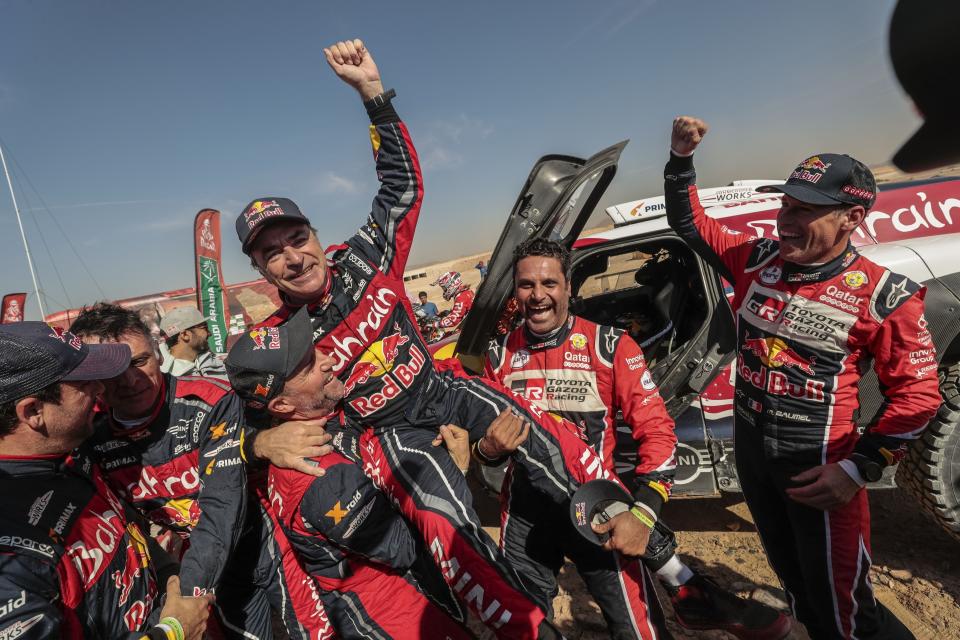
(931, 469)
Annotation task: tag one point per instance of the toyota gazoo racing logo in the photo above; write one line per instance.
(377, 360)
(775, 353)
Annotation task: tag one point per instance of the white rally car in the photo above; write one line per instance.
(642, 277)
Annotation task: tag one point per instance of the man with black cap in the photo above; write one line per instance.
(362, 319)
(374, 574)
(72, 564)
(811, 314)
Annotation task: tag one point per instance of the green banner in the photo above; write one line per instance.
(211, 304)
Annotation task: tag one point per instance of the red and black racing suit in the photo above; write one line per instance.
(371, 569)
(72, 565)
(462, 303)
(585, 373)
(805, 337)
(365, 322)
(183, 469)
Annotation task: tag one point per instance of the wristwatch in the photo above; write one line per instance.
(870, 470)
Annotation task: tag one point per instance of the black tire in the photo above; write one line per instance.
(931, 469)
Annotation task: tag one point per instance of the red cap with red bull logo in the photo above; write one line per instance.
(829, 178)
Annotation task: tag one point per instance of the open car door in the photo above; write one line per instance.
(556, 201)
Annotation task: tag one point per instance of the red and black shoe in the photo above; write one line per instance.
(702, 604)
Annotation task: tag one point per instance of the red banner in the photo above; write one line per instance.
(12, 309)
(211, 299)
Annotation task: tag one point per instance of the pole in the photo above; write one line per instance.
(23, 235)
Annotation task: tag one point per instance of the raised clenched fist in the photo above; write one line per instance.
(353, 64)
(687, 134)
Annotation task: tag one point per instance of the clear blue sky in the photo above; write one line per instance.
(129, 117)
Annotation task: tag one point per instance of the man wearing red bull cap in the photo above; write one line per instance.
(357, 300)
(173, 448)
(811, 314)
(73, 562)
(373, 574)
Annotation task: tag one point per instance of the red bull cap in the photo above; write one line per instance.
(263, 212)
(256, 373)
(829, 178)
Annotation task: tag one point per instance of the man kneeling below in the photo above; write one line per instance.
(376, 578)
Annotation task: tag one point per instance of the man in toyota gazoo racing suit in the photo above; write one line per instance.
(375, 576)
(73, 563)
(173, 448)
(811, 314)
(454, 289)
(362, 318)
(586, 373)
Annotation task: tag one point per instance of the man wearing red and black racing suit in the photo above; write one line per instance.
(73, 564)
(373, 574)
(362, 318)
(462, 304)
(584, 372)
(811, 314)
(172, 448)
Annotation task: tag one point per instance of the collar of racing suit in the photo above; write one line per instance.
(793, 272)
(536, 342)
(34, 465)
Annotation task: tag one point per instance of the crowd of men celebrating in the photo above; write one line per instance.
(322, 482)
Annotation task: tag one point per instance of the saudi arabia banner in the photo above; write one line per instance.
(211, 299)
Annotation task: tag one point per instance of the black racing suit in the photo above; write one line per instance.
(365, 322)
(805, 336)
(183, 469)
(72, 564)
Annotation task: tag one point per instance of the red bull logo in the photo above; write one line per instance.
(814, 163)
(182, 513)
(775, 353)
(810, 170)
(400, 378)
(776, 383)
(377, 360)
(265, 338)
(259, 207)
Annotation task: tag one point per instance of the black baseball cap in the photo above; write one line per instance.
(34, 355)
(596, 502)
(263, 212)
(829, 178)
(924, 50)
(262, 359)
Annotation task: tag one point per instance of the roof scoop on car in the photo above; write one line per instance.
(737, 192)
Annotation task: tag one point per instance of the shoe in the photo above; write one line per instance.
(702, 604)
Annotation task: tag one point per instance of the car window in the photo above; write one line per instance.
(620, 274)
(571, 210)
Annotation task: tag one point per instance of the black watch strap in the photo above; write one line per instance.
(380, 99)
